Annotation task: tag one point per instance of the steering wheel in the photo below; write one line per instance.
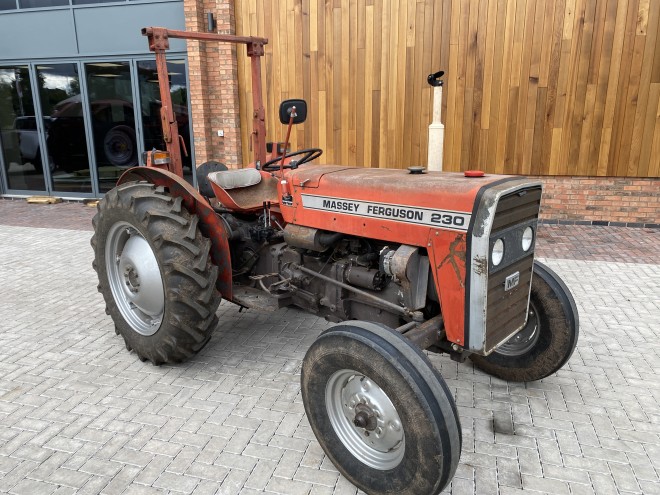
(309, 155)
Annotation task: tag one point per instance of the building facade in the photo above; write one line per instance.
(79, 96)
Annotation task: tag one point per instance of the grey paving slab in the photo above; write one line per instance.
(80, 414)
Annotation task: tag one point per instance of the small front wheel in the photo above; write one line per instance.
(380, 410)
(547, 341)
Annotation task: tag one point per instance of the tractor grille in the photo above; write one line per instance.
(506, 310)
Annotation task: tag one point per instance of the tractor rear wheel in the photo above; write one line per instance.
(155, 273)
(548, 339)
(380, 410)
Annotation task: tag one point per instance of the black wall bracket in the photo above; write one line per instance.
(434, 79)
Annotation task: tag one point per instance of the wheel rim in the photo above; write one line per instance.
(135, 279)
(525, 339)
(365, 420)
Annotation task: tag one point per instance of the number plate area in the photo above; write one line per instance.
(511, 281)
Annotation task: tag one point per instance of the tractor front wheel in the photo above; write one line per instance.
(155, 273)
(380, 410)
(548, 339)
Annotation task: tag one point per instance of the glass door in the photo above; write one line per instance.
(19, 131)
(112, 120)
(66, 139)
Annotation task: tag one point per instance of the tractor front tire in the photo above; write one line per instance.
(380, 410)
(155, 273)
(547, 341)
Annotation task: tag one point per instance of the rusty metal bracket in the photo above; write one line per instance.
(158, 38)
(255, 49)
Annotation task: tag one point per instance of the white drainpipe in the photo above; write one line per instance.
(436, 128)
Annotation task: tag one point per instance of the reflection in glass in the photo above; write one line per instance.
(113, 121)
(151, 105)
(84, 2)
(38, 4)
(7, 4)
(19, 137)
(61, 105)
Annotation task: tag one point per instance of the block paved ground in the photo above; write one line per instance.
(79, 414)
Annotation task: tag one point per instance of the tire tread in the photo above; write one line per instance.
(189, 275)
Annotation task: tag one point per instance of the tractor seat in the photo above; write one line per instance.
(233, 179)
(244, 189)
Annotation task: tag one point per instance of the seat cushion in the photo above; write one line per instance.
(233, 179)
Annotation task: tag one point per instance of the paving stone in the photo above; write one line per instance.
(309, 475)
(30, 487)
(174, 482)
(624, 478)
(546, 485)
(288, 487)
(234, 482)
(68, 477)
(564, 473)
(101, 467)
(206, 487)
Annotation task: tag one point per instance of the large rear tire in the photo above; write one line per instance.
(155, 273)
(380, 410)
(548, 340)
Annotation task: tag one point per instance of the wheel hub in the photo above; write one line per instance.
(132, 279)
(365, 419)
(135, 278)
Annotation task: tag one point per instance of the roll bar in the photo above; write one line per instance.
(158, 38)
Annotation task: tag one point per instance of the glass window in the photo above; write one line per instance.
(151, 105)
(84, 2)
(7, 4)
(39, 4)
(61, 105)
(113, 121)
(19, 137)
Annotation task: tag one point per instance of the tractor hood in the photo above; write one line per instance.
(434, 199)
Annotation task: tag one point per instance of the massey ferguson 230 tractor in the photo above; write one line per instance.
(400, 260)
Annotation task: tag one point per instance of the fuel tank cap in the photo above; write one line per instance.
(417, 170)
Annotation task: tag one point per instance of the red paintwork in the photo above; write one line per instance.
(210, 223)
(435, 190)
(259, 194)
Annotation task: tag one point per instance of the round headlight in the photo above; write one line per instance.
(498, 252)
(527, 238)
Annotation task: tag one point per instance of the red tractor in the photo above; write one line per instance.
(401, 260)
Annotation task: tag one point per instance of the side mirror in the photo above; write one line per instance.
(285, 111)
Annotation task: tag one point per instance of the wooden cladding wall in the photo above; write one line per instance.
(549, 87)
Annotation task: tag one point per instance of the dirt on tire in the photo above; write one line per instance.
(183, 256)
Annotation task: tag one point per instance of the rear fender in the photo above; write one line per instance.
(209, 222)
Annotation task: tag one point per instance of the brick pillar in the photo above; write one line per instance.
(213, 71)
